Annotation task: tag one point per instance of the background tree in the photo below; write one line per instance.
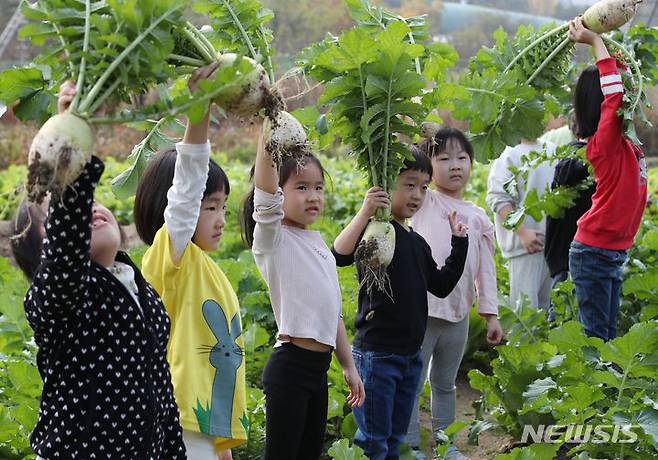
(297, 23)
(543, 7)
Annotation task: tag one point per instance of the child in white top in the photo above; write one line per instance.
(524, 248)
(447, 325)
(300, 272)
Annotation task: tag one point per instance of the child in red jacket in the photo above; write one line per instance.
(607, 230)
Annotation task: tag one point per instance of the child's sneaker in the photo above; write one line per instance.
(419, 455)
(454, 454)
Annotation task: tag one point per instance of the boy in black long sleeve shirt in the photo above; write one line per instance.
(390, 328)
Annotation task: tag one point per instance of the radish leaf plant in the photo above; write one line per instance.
(539, 60)
(109, 48)
(125, 184)
(513, 86)
(239, 26)
(373, 76)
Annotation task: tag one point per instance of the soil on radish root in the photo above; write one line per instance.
(41, 176)
(366, 250)
(272, 103)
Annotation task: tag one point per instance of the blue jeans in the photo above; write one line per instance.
(596, 273)
(390, 382)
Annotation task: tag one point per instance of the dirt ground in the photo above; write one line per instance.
(491, 442)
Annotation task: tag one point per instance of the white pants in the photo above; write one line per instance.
(529, 275)
(199, 446)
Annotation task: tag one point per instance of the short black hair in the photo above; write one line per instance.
(151, 196)
(587, 101)
(439, 142)
(421, 162)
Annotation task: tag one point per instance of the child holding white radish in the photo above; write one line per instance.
(391, 326)
(101, 329)
(607, 229)
(451, 155)
(300, 273)
(180, 211)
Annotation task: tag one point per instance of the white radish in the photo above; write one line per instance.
(58, 155)
(375, 253)
(428, 129)
(253, 96)
(283, 134)
(608, 15)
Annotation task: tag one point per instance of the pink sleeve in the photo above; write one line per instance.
(485, 279)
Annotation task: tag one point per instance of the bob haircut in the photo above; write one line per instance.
(151, 196)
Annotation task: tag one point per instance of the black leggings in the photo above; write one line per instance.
(295, 384)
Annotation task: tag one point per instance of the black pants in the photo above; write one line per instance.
(295, 384)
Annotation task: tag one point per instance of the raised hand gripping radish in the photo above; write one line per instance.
(240, 28)
(284, 135)
(254, 95)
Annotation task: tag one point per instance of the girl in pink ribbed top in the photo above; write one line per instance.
(300, 272)
(447, 325)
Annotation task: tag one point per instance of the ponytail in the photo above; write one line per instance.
(247, 222)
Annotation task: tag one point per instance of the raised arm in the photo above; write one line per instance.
(190, 175)
(441, 281)
(268, 201)
(61, 280)
(266, 173)
(609, 130)
(346, 242)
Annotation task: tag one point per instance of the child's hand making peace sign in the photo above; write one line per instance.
(458, 228)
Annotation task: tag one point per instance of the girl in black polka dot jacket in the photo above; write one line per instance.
(102, 333)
